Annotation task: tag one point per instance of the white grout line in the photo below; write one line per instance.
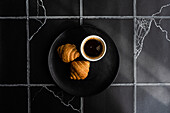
(135, 98)
(13, 85)
(28, 56)
(134, 7)
(86, 17)
(37, 85)
(81, 12)
(19, 17)
(122, 84)
(28, 52)
(134, 58)
(54, 17)
(153, 84)
(29, 101)
(25, 85)
(112, 85)
(82, 104)
(157, 17)
(134, 46)
(97, 17)
(81, 23)
(108, 17)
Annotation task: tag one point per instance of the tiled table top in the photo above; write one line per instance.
(139, 28)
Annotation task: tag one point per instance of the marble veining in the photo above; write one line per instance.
(143, 27)
(59, 95)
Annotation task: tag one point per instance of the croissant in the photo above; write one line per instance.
(79, 70)
(68, 52)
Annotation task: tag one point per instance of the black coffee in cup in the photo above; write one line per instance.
(93, 48)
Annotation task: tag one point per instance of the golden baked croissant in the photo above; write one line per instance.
(79, 69)
(68, 52)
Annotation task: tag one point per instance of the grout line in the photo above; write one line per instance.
(156, 17)
(29, 98)
(28, 56)
(108, 17)
(13, 85)
(122, 84)
(97, 17)
(26, 85)
(28, 52)
(135, 98)
(134, 46)
(19, 17)
(37, 85)
(81, 12)
(112, 85)
(81, 23)
(134, 58)
(54, 17)
(153, 84)
(82, 105)
(134, 7)
(85, 17)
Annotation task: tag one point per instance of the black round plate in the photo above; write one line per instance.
(102, 72)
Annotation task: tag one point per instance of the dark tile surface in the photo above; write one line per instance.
(40, 46)
(154, 60)
(153, 99)
(108, 8)
(13, 100)
(149, 7)
(121, 32)
(13, 64)
(112, 100)
(12, 8)
(43, 101)
(55, 7)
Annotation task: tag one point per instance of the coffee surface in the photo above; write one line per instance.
(93, 48)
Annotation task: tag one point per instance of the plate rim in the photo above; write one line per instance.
(50, 64)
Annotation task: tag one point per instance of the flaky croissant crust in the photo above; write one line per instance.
(68, 52)
(79, 70)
